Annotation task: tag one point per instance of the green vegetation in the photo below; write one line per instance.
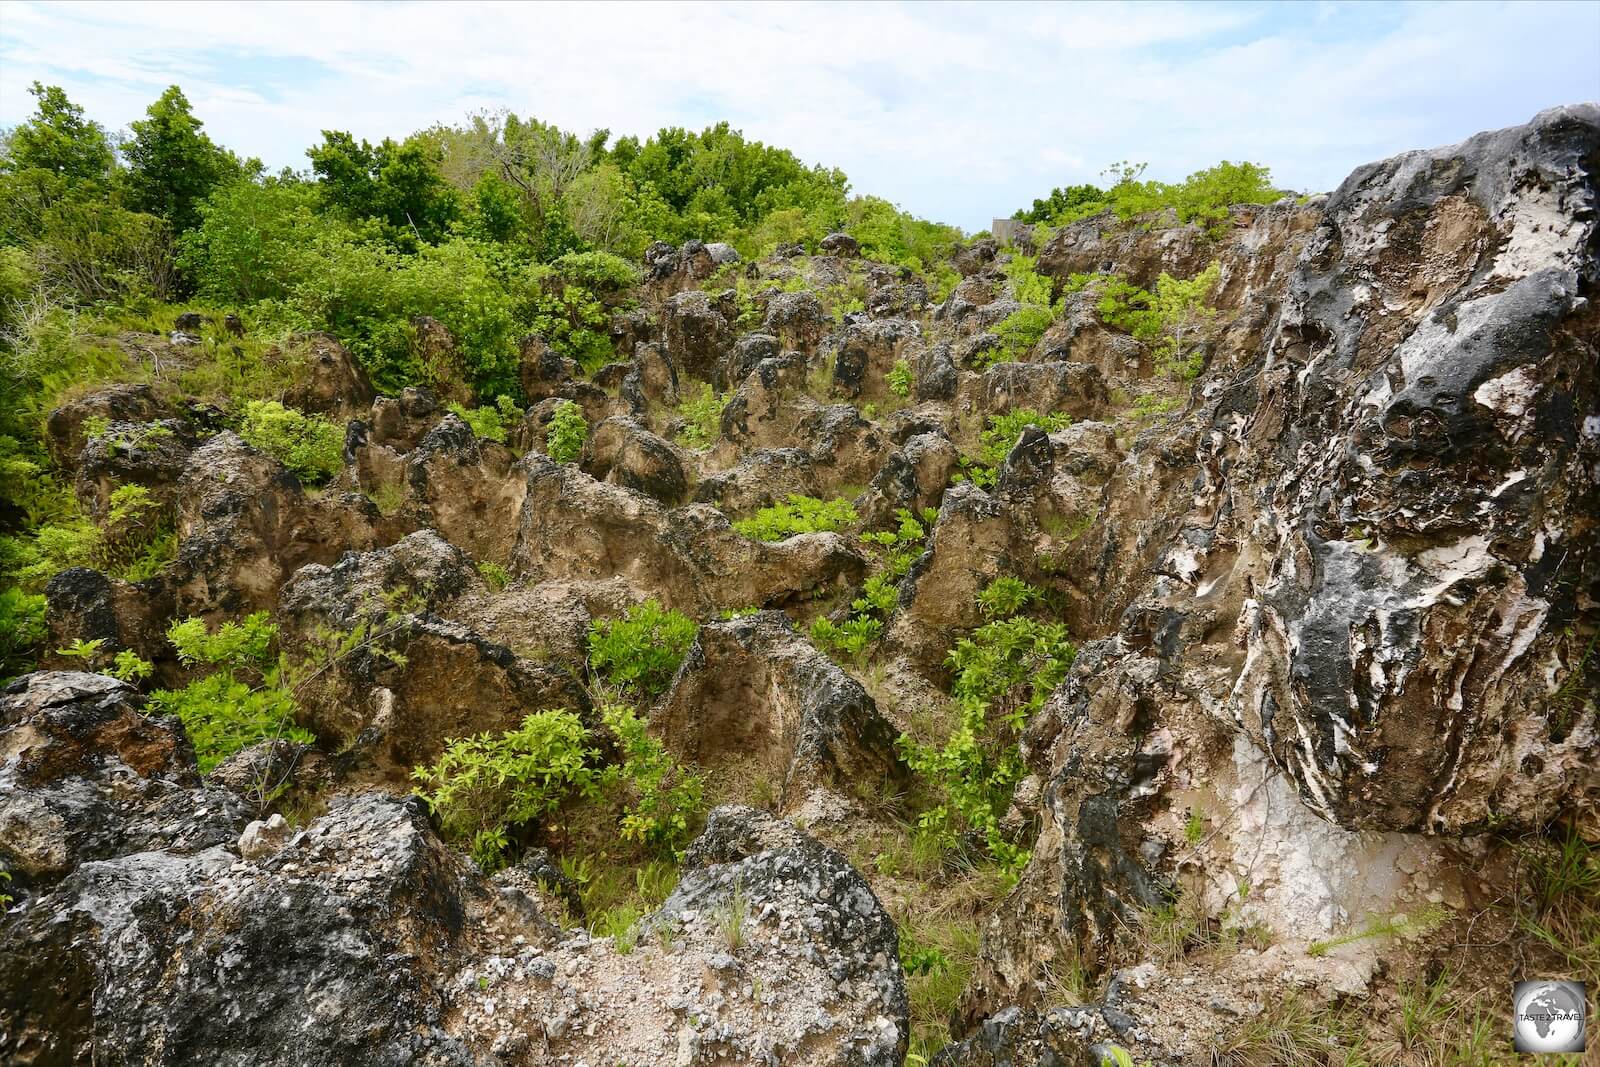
(567, 432)
(483, 787)
(491, 423)
(1203, 196)
(1172, 319)
(701, 411)
(640, 652)
(799, 515)
(1003, 674)
(659, 798)
(311, 446)
(245, 699)
(494, 576)
(22, 630)
(1425, 921)
(1000, 435)
(899, 378)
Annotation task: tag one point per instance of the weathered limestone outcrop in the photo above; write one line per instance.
(360, 938)
(752, 690)
(1355, 569)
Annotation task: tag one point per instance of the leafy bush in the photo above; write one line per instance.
(243, 701)
(660, 799)
(1003, 674)
(640, 651)
(800, 514)
(1203, 196)
(849, 638)
(1169, 319)
(1018, 333)
(1005, 596)
(899, 378)
(701, 411)
(567, 432)
(494, 576)
(483, 787)
(571, 310)
(490, 423)
(310, 446)
(22, 630)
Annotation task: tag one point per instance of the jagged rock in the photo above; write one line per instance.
(840, 244)
(244, 524)
(629, 328)
(1012, 1037)
(752, 689)
(448, 681)
(966, 550)
(722, 253)
(87, 605)
(762, 477)
(622, 452)
(766, 409)
(399, 423)
(653, 379)
(466, 487)
(797, 321)
(64, 427)
(868, 351)
(544, 372)
(1077, 389)
(697, 335)
(747, 352)
(895, 291)
(936, 376)
(328, 379)
(85, 775)
(573, 526)
(361, 938)
(151, 454)
(975, 257)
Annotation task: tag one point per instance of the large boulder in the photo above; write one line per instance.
(85, 775)
(697, 335)
(245, 524)
(66, 426)
(1077, 389)
(328, 379)
(418, 680)
(622, 452)
(752, 691)
(691, 558)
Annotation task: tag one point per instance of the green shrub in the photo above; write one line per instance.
(570, 309)
(566, 433)
(640, 651)
(22, 630)
(1203, 196)
(660, 799)
(1005, 596)
(800, 514)
(1171, 320)
(849, 638)
(484, 787)
(243, 701)
(702, 415)
(490, 423)
(899, 378)
(1018, 332)
(310, 446)
(1003, 674)
(494, 576)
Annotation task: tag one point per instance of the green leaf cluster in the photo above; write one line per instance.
(310, 446)
(1003, 673)
(243, 700)
(798, 515)
(660, 799)
(567, 432)
(640, 652)
(1000, 435)
(483, 787)
(701, 411)
(491, 423)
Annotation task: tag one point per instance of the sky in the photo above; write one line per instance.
(957, 112)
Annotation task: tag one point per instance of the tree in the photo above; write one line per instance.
(1064, 204)
(172, 164)
(397, 183)
(57, 138)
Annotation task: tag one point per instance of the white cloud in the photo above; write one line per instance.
(958, 112)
